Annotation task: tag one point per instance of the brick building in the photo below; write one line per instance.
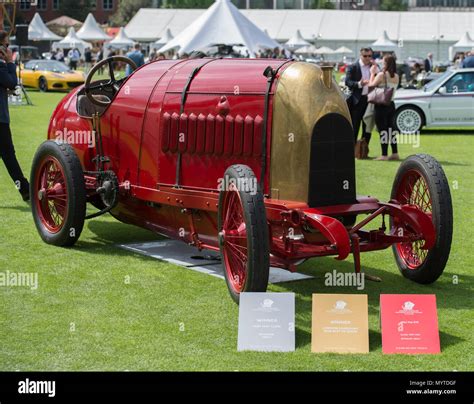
(50, 9)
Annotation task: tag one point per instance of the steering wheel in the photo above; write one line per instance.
(112, 85)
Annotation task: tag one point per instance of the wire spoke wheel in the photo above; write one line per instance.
(243, 234)
(420, 182)
(51, 189)
(58, 194)
(414, 191)
(235, 239)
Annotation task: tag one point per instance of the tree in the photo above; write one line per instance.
(75, 9)
(127, 9)
(393, 5)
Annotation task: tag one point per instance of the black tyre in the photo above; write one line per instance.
(243, 233)
(58, 194)
(409, 119)
(43, 85)
(421, 181)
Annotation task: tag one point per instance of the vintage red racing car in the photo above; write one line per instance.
(252, 158)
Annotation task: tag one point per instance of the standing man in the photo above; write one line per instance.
(429, 63)
(137, 56)
(74, 57)
(8, 80)
(87, 60)
(357, 80)
(469, 60)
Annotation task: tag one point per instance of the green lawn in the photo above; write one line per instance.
(85, 316)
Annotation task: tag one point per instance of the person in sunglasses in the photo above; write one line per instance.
(357, 80)
(8, 81)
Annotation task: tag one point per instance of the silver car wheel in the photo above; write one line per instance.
(409, 121)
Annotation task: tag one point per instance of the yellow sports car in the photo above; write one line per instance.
(47, 75)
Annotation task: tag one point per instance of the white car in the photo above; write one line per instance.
(447, 101)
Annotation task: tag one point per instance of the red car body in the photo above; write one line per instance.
(175, 126)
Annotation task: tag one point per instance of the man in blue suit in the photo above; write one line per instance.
(137, 56)
(8, 80)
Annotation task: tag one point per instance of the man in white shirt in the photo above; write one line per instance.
(357, 80)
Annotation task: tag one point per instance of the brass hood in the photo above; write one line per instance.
(304, 94)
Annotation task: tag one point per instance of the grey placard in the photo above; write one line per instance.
(266, 322)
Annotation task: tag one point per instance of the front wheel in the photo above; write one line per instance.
(58, 194)
(43, 85)
(243, 233)
(421, 182)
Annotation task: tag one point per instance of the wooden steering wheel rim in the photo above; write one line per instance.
(96, 67)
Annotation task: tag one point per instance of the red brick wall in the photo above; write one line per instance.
(49, 14)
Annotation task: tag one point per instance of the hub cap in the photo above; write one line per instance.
(409, 121)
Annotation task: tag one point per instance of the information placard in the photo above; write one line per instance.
(266, 322)
(409, 324)
(340, 323)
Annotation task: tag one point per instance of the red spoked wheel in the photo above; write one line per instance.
(50, 186)
(243, 233)
(234, 233)
(421, 182)
(413, 190)
(58, 194)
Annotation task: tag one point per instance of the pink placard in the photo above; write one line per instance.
(409, 324)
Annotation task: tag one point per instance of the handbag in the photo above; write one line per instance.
(381, 95)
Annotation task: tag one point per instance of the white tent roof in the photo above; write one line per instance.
(324, 50)
(91, 31)
(221, 23)
(297, 41)
(384, 43)
(72, 41)
(38, 31)
(306, 50)
(465, 43)
(344, 49)
(359, 25)
(164, 39)
(121, 40)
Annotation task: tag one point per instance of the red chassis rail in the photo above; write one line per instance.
(298, 232)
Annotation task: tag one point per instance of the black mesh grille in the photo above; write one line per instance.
(332, 164)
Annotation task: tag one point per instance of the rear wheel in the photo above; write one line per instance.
(43, 84)
(58, 194)
(409, 119)
(243, 233)
(421, 182)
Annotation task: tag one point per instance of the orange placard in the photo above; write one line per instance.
(340, 323)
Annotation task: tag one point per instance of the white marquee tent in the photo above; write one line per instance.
(72, 41)
(306, 50)
(360, 28)
(465, 43)
(297, 41)
(121, 40)
(344, 50)
(38, 31)
(384, 44)
(163, 40)
(91, 31)
(221, 23)
(324, 50)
